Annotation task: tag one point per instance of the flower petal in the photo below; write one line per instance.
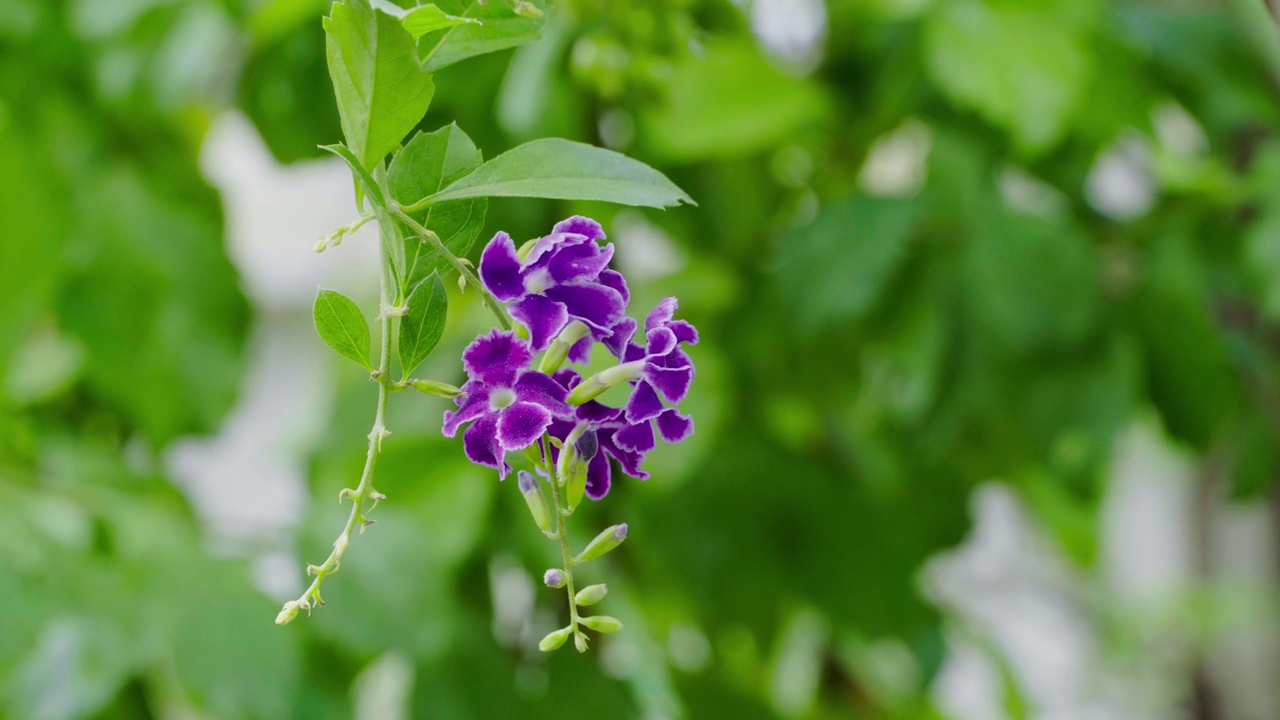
(521, 424)
(541, 389)
(636, 438)
(500, 268)
(598, 413)
(581, 351)
(643, 404)
(481, 444)
(579, 262)
(620, 337)
(568, 378)
(592, 303)
(629, 460)
(544, 317)
(471, 405)
(674, 427)
(673, 383)
(599, 475)
(495, 358)
(685, 332)
(661, 314)
(660, 341)
(614, 279)
(579, 225)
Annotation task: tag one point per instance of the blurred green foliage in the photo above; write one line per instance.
(908, 269)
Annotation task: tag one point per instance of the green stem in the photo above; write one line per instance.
(463, 268)
(562, 534)
(364, 491)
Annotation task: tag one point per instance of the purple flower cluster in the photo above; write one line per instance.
(547, 286)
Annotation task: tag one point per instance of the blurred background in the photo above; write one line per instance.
(988, 397)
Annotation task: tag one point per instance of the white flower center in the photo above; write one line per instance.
(537, 281)
(501, 398)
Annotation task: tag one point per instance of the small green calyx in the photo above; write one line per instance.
(555, 639)
(594, 386)
(435, 388)
(602, 623)
(603, 543)
(590, 595)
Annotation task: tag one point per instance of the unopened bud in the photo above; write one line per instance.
(527, 9)
(462, 282)
(554, 578)
(611, 538)
(558, 351)
(536, 500)
(602, 623)
(588, 445)
(580, 642)
(594, 386)
(289, 612)
(435, 388)
(554, 639)
(590, 595)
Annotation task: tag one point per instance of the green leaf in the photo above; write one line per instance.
(729, 101)
(427, 164)
(421, 329)
(839, 268)
(429, 18)
(366, 181)
(1024, 67)
(382, 91)
(561, 169)
(342, 326)
(499, 28)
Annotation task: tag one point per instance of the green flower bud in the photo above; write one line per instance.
(558, 351)
(590, 595)
(527, 9)
(611, 538)
(554, 640)
(602, 623)
(580, 642)
(536, 500)
(435, 388)
(554, 578)
(594, 386)
(289, 612)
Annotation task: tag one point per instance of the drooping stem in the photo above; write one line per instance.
(562, 534)
(364, 491)
(464, 269)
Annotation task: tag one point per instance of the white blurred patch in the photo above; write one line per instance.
(688, 647)
(1120, 184)
(382, 690)
(1029, 194)
(1020, 601)
(512, 592)
(1178, 131)
(793, 30)
(275, 213)
(897, 163)
(618, 656)
(797, 663)
(276, 574)
(644, 250)
(1144, 518)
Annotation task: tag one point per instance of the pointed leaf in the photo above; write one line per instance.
(382, 91)
(429, 18)
(500, 28)
(428, 163)
(342, 326)
(365, 180)
(565, 170)
(421, 329)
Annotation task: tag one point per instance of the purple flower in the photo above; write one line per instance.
(668, 371)
(565, 277)
(603, 422)
(508, 405)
